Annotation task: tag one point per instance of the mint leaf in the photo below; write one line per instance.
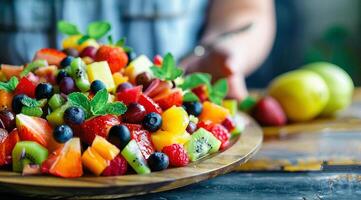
(121, 42)
(99, 100)
(190, 97)
(80, 100)
(115, 108)
(67, 28)
(83, 39)
(196, 79)
(98, 29)
(219, 91)
(29, 102)
(169, 71)
(157, 71)
(10, 85)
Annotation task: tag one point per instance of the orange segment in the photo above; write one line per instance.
(93, 161)
(104, 148)
(213, 112)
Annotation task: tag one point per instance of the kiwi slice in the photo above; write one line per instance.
(32, 111)
(28, 152)
(56, 117)
(56, 101)
(134, 156)
(201, 144)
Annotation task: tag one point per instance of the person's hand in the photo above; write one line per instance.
(220, 64)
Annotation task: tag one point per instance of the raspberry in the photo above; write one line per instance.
(118, 166)
(220, 132)
(229, 124)
(177, 155)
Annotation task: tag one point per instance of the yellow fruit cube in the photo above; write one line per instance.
(104, 148)
(71, 41)
(119, 79)
(213, 112)
(139, 65)
(175, 120)
(93, 161)
(101, 71)
(165, 138)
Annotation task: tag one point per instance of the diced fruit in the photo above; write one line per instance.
(175, 120)
(67, 85)
(201, 144)
(36, 64)
(65, 161)
(134, 114)
(62, 133)
(158, 60)
(101, 71)
(78, 73)
(6, 99)
(133, 155)
(144, 141)
(157, 87)
(213, 112)
(143, 79)
(47, 74)
(11, 70)
(74, 115)
(71, 41)
(218, 131)
(89, 51)
(17, 104)
(26, 87)
(119, 78)
(115, 56)
(32, 111)
(66, 61)
(139, 65)
(268, 112)
(167, 100)
(124, 86)
(97, 126)
(130, 95)
(118, 166)
(96, 86)
(162, 139)
(152, 122)
(119, 135)
(158, 161)
(105, 148)
(7, 143)
(53, 56)
(44, 91)
(57, 116)
(27, 152)
(56, 101)
(177, 155)
(192, 127)
(201, 92)
(231, 105)
(247, 104)
(7, 120)
(229, 124)
(149, 104)
(193, 108)
(93, 161)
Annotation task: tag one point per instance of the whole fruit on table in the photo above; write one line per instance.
(339, 84)
(303, 94)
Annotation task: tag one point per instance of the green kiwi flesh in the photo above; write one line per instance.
(28, 152)
(134, 157)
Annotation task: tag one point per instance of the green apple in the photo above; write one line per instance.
(303, 94)
(339, 83)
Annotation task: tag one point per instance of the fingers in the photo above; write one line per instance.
(237, 87)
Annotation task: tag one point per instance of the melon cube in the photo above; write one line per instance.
(107, 150)
(101, 71)
(137, 66)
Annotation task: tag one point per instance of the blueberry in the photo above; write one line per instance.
(17, 105)
(66, 61)
(44, 91)
(119, 135)
(193, 108)
(97, 86)
(62, 133)
(74, 115)
(61, 75)
(158, 161)
(152, 122)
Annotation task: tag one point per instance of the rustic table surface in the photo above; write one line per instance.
(316, 160)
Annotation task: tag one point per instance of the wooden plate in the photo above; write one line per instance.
(121, 186)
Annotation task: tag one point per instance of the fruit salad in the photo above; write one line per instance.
(99, 109)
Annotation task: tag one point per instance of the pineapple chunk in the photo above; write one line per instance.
(101, 71)
(119, 79)
(139, 65)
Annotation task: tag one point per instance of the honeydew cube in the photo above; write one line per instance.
(101, 71)
(137, 66)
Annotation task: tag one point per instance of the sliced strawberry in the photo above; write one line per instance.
(26, 86)
(7, 143)
(65, 161)
(143, 139)
(169, 99)
(218, 131)
(129, 95)
(11, 70)
(149, 104)
(133, 127)
(97, 126)
(117, 167)
(53, 56)
(201, 92)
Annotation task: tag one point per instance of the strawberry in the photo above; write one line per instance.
(99, 125)
(229, 124)
(26, 86)
(149, 104)
(158, 60)
(129, 95)
(221, 133)
(143, 139)
(268, 112)
(115, 56)
(118, 166)
(177, 155)
(201, 92)
(53, 56)
(7, 143)
(169, 98)
(133, 127)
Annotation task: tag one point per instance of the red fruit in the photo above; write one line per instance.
(118, 166)
(7, 143)
(218, 131)
(25, 86)
(11, 70)
(170, 98)
(177, 155)
(156, 87)
(201, 92)
(268, 112)
(115, 56)
(133, 127)
(53, 56)
(149, 104)
(97, 126)
(129, 95)
(229, 124)
(143, 139)
(47, 74)
(65, 161)
(158, 60)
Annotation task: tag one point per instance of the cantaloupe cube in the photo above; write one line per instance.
(107, 150)
(101, 71)
(93, 161)
(213, 112)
